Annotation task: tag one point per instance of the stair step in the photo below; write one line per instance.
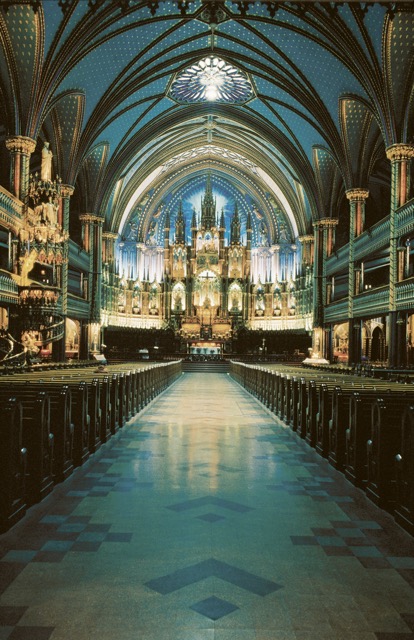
(206, 367)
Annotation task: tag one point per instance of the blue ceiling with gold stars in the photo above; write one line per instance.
(97, 74)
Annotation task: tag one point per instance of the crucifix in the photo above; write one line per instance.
(207, 278)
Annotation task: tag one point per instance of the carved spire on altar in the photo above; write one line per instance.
(180, 225)
(208, 207)
(235, 227)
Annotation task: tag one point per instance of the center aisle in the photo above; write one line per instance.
(206, 520)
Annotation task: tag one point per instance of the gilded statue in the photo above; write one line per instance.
(46, 166)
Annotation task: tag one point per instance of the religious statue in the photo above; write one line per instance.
(262, 234)
(50, 212)
(159, 211)
(132, 231)
(235, 303)
(152, 233)
(284, 234)
(178, 302)
(260, 302)
(256, 212)
(29, 343)
(46, 166)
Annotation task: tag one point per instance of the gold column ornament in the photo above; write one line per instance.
(400, 155)
(357, 199)
(308, 244)
(66, 191)
(95, 310)
(21, 148)
(109, 239)
(87, 220)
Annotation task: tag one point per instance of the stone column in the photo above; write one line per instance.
(324, 242)
(294, 266)
(400, 156)
(95, 309)
(21, 148)
(108, 248)
(305, 279)
(274, 249)
(356, 199)
(308, 243)
(86, 221)
(66, 192)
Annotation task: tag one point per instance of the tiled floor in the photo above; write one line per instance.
(206, 519)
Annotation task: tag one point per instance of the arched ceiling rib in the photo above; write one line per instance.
(302, 57)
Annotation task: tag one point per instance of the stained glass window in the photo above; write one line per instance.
(212, 80)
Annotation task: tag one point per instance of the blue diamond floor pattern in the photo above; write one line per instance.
(206, 519)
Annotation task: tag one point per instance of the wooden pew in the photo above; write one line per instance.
(357, 434)
(37, 439)
(57, 420)
(322, 418)
(384, 444)
(404, 460)
(79, 418)
(13, 459)
(311, 413)
(61, 426)
(302, 405)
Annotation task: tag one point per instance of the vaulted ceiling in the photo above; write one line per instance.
(332, 86)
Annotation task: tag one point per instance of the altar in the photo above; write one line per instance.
(205, 348)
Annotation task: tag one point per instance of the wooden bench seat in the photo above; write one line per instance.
(404, 466)
(37, 439)
(13, 460)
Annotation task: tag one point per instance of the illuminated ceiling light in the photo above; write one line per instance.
(212, 80)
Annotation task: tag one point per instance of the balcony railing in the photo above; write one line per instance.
(404, 293)
(11, 209)
(284, 323)
(78, 307)
(372, 302)
(405, 218)
(336, 311)
(132, 321)
(8, 288)
(338, 261)
(373, 239)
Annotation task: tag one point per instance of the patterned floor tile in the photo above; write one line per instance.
(204, 519)
(214, 608)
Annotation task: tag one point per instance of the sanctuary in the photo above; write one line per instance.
(207, 178)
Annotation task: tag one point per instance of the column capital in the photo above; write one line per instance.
(91, 218)
(21, 144)
(326, 222)
(357, 194)
(109, 235)
(66, 190)
(85, 217)
(306, 239)
(399, 152)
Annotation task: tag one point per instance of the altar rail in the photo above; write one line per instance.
(53, 421)
(365, 428)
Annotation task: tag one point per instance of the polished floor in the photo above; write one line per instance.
(206, 519)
